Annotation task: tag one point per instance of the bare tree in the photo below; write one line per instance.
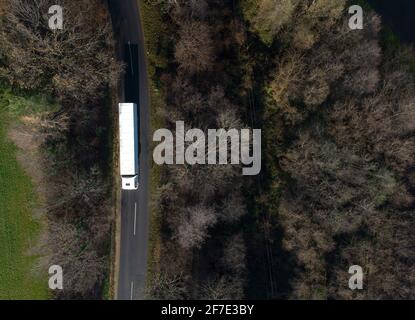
(65, 63)
(166, 287)
(195, 50)
(193, 230)
(234, 255)
(223, 288)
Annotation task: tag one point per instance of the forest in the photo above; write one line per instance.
(75, 69)
(336, 107)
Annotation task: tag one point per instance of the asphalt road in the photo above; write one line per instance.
(134, 204)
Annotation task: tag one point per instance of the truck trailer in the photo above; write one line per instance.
(129, 167)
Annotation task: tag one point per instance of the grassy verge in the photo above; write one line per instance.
(18, 229)
(111, 282)
(153, 30)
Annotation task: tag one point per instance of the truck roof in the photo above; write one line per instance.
(128, 121)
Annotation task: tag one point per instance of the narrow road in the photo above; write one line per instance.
(134, 204)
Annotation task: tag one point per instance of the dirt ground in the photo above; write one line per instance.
(25, 136)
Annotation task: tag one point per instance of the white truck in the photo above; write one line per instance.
(128, 119)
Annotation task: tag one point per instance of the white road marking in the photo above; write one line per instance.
(132, 289)
(135, 216)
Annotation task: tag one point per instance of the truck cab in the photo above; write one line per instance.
(129, 183)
